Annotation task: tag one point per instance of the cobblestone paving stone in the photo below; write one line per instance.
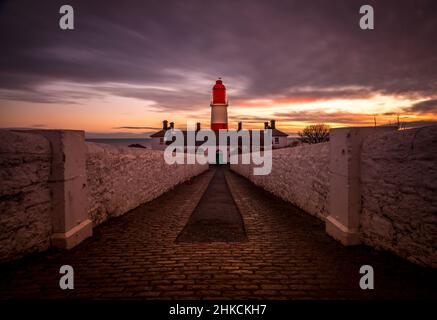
(287, 256)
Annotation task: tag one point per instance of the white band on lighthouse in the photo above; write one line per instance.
(219, 116)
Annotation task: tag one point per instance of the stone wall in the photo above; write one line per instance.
(396, 172)
(399, 193)
(25, 225)
(46, 174)
(120, 179)
(299, 175)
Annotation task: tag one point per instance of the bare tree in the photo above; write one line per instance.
(315, 133)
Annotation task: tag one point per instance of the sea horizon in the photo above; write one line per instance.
(122, 142)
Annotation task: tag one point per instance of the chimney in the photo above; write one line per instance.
(273, 124)
(198, 126)
(172, 125)
(240, 125)
(165, 124)
(266, 125)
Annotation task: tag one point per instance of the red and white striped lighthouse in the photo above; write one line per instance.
(219, 106)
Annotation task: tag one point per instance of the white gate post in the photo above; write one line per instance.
(69, 213)
(344, 201)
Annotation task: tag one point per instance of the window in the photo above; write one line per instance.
(161, 140)
(276, 140)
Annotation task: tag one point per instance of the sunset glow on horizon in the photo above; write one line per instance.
(112, 114)
(121, 75)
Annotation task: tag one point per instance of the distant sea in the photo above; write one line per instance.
(124, 142)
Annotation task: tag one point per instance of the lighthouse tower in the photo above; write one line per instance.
(219, 106)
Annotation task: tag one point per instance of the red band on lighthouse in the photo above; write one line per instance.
(219, 107)
(219, 126)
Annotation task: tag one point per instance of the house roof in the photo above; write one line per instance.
(276, 133)
(159, 134)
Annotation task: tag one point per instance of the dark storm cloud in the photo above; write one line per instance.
(336, 117)
(323, 117)
(428, 106)
(312, 116)
(274, 48)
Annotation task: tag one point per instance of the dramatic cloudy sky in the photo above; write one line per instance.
(130, 64)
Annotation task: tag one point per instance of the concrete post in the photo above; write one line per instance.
(344, 201)
(69, 213)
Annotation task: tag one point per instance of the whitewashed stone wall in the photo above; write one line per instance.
(399, 193)
(299, 175)
(398, 186)
(25, 223)
(120, 179)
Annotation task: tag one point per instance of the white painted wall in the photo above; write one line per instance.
(53, 183)
(399, 193)
(121, 178)
(299, 175)
(377, 183)
(281, 143)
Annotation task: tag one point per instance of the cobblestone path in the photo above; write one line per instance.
(287, 255)
(216, 217)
